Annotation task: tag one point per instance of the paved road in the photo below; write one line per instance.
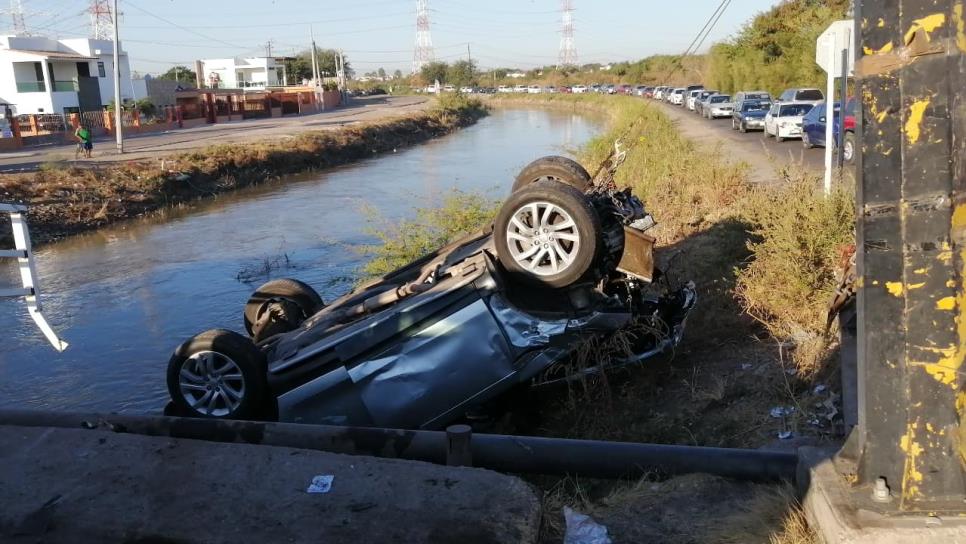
(166, 143)
(763, 154)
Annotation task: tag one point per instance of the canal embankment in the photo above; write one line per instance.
(66, 199)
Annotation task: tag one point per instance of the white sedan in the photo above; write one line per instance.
(784, 119)
(579, 89)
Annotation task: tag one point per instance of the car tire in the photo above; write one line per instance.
(542, 225)
(218, 374)
(306, 300)
(849, 147)
(806, 142)
(743, 128)
(554, 168)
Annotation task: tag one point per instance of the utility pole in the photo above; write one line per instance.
(469, 56)
(268, 49)
(118, 118)
(315, 62)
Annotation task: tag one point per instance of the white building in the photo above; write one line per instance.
(43, 75)
(238, 73)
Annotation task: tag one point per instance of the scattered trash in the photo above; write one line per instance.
(582, 529)
(785, 435)
(814, 422)
(321, 484)
(790, 371)
(819, 389)
(746, 366)
(781, 411)
(832, 410)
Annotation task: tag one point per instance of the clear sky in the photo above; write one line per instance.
(381, 33)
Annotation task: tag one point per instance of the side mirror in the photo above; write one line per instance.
(821, 119)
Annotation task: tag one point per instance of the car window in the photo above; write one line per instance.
(809, 94)
(757, 96)
(791, 110)
(816, 113)
(719, 99)
(755, 106)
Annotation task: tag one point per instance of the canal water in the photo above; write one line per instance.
(124, 297)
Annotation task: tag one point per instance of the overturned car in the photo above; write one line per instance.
(565, 260)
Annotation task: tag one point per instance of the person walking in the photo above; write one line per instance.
(85, 142)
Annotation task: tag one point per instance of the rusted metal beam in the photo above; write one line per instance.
(911, 253)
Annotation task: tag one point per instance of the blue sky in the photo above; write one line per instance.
(380, 33)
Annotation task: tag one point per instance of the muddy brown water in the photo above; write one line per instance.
(124, 297)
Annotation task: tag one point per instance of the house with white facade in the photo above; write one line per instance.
(243, 73)
(44, 75)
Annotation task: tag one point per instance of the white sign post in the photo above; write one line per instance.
(828, 54)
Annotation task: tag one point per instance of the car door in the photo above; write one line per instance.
(770, 119)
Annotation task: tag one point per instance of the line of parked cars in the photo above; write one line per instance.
(798, 113)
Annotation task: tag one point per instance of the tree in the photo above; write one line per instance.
(179, 73)
(397, 74)
(461, 73)
(300, 67)
(382, 73)
(434, 71)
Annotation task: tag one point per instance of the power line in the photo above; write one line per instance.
(186, 29)
(701, 36)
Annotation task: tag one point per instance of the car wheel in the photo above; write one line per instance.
(218, 374)
(554, 168)
(280, 306)
(548, 234)
(849, 148)
(806, 142)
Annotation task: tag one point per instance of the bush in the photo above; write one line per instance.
(402, 243)
(800, 235)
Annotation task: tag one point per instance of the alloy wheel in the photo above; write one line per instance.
(212, 383)
(543, 238)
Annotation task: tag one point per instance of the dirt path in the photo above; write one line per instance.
(166, 143)
(761, 153)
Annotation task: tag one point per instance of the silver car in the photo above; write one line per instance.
(718, 105)
(566, 260)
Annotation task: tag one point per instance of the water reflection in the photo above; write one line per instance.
(125, 296)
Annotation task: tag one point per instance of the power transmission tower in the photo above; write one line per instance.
(17, 14)
(102, 20)
(568, 51)
(423, 53)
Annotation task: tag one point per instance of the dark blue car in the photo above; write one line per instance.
(750, 115)
(813, 127)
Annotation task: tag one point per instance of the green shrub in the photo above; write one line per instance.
(401, 243)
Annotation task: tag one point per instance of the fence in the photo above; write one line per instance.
(52, 128)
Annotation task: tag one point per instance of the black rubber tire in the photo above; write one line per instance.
(307, 299)
(556, 168)
(849, 144)
(240, 350)
(588, 224)
(743, 128)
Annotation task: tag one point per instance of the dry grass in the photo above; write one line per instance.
(67, 200)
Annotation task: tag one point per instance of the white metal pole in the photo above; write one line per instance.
(118, 118)
(829, 114)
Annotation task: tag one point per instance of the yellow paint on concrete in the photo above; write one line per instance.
(880, 117)
(895, 288)
(950, 283)
(914, 121)
(959, 216)
(887, 48)
(916, 286)
(928, 23)
(920, 271)
(958, 20)
(946, 304)
(880, 23)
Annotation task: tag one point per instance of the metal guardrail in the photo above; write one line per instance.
(456, 446)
